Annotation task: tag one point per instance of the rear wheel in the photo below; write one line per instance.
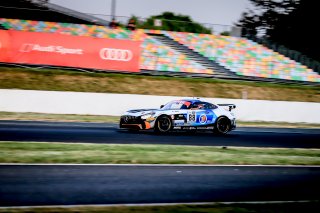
(222, 126)
(163, 124)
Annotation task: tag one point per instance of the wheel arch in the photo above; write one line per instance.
(159, 116)
(222, 116)
(216, 130)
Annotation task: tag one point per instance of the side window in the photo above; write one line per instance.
(203, 105)
(210, 106)
(196, 105)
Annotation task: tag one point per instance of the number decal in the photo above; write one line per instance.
(192, 117)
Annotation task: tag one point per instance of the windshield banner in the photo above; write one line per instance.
(69, 51)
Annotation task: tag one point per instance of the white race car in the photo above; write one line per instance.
(187, 114)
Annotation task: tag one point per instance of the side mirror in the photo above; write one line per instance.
(161, 106)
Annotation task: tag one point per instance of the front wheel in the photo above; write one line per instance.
(163, 124)
(222, 126)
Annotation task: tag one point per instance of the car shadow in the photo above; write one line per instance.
(175, 133)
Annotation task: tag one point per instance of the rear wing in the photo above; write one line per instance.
(230, 106)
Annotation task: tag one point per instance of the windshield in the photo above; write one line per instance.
(177, 105)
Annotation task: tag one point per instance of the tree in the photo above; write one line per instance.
(173, 22)
(265, 15)
(287, 22)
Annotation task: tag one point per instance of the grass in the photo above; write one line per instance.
(57, 117)
(62, 80)
(35, 152)
(309, 207)
(115, 119)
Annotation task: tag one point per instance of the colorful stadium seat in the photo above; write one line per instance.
(242, 56)
(245, 57)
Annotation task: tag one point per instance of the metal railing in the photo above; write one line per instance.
(292, 54)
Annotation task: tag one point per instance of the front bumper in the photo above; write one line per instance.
(134, 122)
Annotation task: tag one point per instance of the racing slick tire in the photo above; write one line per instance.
(222, 126)
(163, 124)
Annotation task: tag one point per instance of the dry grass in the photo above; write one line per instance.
(55, 80)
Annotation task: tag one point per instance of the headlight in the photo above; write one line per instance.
(147, 116)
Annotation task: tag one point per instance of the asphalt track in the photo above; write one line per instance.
(81, 184)
(110, 133)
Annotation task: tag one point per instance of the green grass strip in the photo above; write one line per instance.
(34, 152)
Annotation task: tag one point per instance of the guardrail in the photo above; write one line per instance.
(12, 100)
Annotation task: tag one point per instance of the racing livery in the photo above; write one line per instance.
(188, 114)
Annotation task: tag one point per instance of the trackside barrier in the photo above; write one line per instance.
(116, 104)
(69, 51)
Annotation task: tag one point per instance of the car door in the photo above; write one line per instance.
(207, 116)
(201, 114)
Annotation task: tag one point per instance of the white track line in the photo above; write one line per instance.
(157, 204)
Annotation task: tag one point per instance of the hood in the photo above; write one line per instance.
(140, 110)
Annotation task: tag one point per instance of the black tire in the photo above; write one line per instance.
(163, 124)
(222, 126)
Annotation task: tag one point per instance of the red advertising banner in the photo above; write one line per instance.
(70, 51)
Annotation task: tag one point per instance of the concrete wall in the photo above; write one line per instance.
(116, 104)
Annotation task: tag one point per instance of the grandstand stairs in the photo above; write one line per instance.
(219, 71)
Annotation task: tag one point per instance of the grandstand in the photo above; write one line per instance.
(245, 57)
(167, 52)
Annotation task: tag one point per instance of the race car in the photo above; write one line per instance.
(186, 114)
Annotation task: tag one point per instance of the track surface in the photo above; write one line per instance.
(72, 185)
(109, 133)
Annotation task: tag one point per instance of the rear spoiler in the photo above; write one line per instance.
(231, 106)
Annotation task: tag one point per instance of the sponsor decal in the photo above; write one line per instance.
(207, 127)
(50, 49)
(115, 54)
(203, 119)
(178, 122)
(70, 51)
(193, 128)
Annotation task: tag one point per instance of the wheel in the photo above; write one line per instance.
(163, 124)
(222, 126)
